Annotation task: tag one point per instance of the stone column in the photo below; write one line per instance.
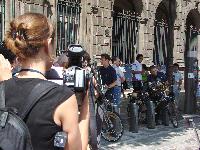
(148, 46)
(96, 26)
(8, 15)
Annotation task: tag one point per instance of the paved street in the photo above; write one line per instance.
(161, 138)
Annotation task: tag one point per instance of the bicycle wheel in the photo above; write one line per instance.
(173, 114)
(112, 128)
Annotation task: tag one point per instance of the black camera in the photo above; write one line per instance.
(75, 76)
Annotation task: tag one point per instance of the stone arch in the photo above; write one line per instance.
(156, 5)
(187, 9)
(134, 5)
(165, 15)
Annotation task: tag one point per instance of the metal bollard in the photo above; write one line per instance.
(133, 117)
(150, 115)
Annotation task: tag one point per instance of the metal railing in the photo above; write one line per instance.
(161, 45)
(68, 23)
(125, 35)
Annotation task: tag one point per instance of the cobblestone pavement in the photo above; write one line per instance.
(160, 138)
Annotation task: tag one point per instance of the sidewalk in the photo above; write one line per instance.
(160, 138)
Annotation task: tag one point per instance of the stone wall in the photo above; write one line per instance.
(96, 26)
(96, 23)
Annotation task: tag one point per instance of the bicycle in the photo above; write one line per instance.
(112, 128)
(165, 103)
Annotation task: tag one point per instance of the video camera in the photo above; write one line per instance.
(75, 76)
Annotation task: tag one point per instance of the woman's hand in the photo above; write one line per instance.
(5, 69)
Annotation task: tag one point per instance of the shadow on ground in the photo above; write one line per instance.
(161, 136)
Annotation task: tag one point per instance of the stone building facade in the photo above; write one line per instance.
(164, 31)
(159, 27)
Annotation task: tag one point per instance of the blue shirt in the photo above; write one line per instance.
(128, 73)
(108, 75)
(160, 77)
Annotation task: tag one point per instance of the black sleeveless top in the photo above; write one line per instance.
(40, 120)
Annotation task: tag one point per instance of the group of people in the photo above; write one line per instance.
(142, 74)
(31, 40)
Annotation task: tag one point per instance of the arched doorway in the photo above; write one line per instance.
(163, 33)
(191, 60)
(125, 29)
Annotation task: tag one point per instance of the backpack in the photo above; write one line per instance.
(14, 134)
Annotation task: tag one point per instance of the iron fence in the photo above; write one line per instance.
(68, 23)
(125, 35)
(161, 47)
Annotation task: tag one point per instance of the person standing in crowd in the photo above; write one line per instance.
(145, 73)
(107, 74)
(120, 79)
(86, 62)
(11, 58)
(177, 80)
(137, 73)
(30, 38)
(145, 76)
(128, 76)
(56, 71)
(153, 77)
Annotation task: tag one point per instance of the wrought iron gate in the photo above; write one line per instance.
(68, 22)
(125, 35)
(161, 49)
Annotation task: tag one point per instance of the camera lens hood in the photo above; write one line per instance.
(75, 50)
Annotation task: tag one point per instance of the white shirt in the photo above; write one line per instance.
(119, 73)
(136, 66)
